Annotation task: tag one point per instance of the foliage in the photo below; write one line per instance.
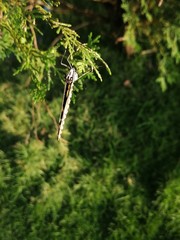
(116, 176)
(19, 25)
(154, 28)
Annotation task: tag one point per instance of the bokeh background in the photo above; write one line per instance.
(115, 173)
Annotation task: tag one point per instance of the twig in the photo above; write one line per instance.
(160, 3)
(56, 40)
(148, 51)
(34, 36)
(82, 25)
(85, 12)
(34, 122)
(31, 5)
(51, 114)
(1, 16)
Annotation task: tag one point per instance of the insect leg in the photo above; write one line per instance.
(68, 61)
(63, 64)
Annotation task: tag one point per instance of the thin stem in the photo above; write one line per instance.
(34, 36)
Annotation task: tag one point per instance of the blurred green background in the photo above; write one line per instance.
(115, 173)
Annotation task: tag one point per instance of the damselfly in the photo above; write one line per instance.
(70, 78)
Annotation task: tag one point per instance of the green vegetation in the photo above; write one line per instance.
(115, 174)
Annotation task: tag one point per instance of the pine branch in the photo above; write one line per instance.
(19, 24)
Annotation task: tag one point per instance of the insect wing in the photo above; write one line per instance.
(75, 76)
(65, 107)
(71, 77)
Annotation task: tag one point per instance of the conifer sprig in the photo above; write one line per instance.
(21, 36)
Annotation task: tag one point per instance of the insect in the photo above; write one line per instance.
(70, 78)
